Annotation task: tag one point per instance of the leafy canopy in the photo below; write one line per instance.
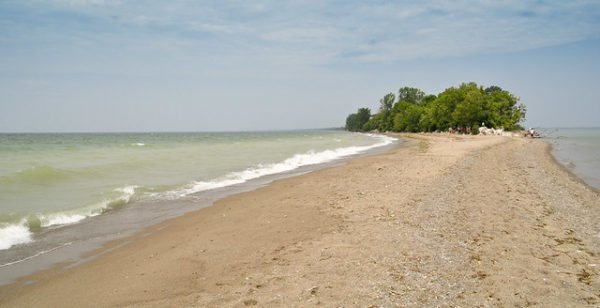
(467, 105)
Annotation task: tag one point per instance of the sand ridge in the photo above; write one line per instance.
(448, 221)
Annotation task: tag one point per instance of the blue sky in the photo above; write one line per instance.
(100, 65)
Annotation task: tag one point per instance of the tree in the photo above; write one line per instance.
(441, 109)
(468, 111)
(491, 89)
(373, 123)
(386, 122)
(356, 121)
(465, 105)
(352, 122)
(408, 120)
(503, 110)
(427, 99)
(386, 103)
(364, 114)
(411, 95)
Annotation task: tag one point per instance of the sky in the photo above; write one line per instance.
(179, 65)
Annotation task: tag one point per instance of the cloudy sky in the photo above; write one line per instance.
(131, 65)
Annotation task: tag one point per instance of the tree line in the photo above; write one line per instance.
(467, 105)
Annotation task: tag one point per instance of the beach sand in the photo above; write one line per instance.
(446, 221)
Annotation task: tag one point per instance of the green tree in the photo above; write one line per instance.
(491, 89)
(468, 111)
(356, 121)
(465, 105)
(427, 99)
(408, 120)
(440, 111)
(352, 123)
(411, 95)
(504, 110)
(373, 123)
(387, 102)
(364, 114)
(385, 108)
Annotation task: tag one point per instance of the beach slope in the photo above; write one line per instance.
(445, 221)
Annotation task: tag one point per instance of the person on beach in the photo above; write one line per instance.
(532, 132)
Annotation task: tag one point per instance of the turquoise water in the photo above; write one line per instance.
(59, 179)
(579, 150)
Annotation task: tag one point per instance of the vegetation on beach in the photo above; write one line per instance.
(468, 105)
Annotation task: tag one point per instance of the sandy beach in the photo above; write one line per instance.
(446, 221)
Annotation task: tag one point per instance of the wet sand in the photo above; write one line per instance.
(448, 221)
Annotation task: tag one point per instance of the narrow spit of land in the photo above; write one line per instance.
(448, 221)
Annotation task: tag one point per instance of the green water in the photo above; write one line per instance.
(57, 179)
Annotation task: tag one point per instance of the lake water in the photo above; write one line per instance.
(578, 149)
(51, 180)
(62, 195)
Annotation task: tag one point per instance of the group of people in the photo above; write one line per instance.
(460, 130)
(489, 131)
(530, 132)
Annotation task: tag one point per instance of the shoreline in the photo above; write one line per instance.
(578, 148)
(372, 231)
(72, 244)
(127, 170)
(572, 174)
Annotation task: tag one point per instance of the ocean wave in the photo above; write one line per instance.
(69, 217)
(21, 232)
(14, 234)
(292, 163)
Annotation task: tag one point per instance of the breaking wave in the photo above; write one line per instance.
(292, 163)
(15, 230)
(21, 232)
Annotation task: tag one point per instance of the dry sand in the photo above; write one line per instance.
(448, 221)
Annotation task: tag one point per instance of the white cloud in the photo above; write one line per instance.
(349, 32)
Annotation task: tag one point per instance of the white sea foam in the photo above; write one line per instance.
(128, 191)
(19, 233)
(292, 163)
(61, 219)
(14, 234)
(139, 144)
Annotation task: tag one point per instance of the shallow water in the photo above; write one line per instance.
(578, 149)
(62, 195)
(56, 179)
